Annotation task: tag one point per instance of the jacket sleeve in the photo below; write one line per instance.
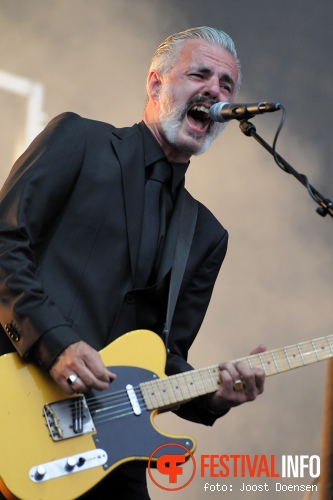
(30, 200)
(209, 249)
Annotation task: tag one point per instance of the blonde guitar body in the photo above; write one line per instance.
(36, 466)
(56, 446)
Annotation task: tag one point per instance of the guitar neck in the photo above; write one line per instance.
(165, 392)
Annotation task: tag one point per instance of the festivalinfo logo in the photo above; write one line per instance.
(169, 473)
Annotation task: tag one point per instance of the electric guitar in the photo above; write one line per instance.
(51, 442)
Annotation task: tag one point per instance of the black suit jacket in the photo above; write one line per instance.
(71, 215)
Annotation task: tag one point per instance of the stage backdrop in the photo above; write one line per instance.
(276, 284)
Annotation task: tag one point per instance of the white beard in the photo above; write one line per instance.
(171, 117)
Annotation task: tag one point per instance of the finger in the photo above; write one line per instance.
(82, 360)
(231, 369)
(88, 380)
(231, 379)
(253, 380)
(97, 368)
(83, 383)
(73, 381)
(94, 375)
(260, 380)
(259, 349)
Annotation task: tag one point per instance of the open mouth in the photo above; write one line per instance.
(198, 117)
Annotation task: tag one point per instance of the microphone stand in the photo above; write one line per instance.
(326, 205)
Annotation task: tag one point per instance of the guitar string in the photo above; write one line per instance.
(318, 353)
(265, 358)
(164, 392)
(279, 354)
(116, 401)
(157, 382)
(107, 415)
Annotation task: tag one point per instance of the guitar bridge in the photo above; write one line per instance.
(68, 418)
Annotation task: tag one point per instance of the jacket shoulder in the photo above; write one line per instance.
(207, 222)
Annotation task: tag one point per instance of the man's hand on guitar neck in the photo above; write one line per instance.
(80, 368)
(239, 384)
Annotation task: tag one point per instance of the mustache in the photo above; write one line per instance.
(198, 99)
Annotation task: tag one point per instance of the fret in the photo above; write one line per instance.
(212, 381)
(253, 361)
(191, 385)
(146, 396)
(309, 352)
(301, 354)
(215, 371)
(248, 359)
(287, 357)
(182, 387)
(203, 381)
(275, 362)
(291, 354)
(292, 358)
(200, 382)
(150, 391)
(178, 388)
(315, 350)
(267, 362)
(262, 363)
(295, 356)
(164, 387)
(196, 386)
(323, 348)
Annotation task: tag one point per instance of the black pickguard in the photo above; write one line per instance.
(126, 436)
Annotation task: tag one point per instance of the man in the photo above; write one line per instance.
(73, 232)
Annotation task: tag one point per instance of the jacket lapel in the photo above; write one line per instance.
(129, 150)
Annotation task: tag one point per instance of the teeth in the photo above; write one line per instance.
(200, 108)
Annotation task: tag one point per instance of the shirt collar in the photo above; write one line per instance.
(154, 152)
(152, 149)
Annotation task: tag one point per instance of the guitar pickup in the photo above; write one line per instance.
(68, 418)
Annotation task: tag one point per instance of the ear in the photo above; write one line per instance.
(153, 85)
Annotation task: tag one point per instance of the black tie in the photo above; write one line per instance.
(157, 208)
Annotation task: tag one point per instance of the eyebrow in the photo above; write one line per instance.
(207, 71)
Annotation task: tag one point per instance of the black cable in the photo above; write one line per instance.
(283, 167)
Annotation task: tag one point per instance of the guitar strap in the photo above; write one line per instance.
(187, 222)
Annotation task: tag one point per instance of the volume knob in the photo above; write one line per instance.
(70, 464)
(40, 472)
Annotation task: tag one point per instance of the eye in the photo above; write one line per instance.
(226, 87)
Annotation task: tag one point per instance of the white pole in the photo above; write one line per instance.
(34, 91)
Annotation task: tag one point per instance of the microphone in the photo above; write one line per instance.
(225, 111)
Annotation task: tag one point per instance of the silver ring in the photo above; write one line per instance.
(72, 379)
(238, 385)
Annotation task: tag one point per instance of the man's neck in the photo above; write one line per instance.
(172, 154)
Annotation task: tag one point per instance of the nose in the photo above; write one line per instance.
(212, 88)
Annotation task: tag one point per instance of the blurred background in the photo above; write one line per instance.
(275, 286)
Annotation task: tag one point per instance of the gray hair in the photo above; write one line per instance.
(167, 53)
